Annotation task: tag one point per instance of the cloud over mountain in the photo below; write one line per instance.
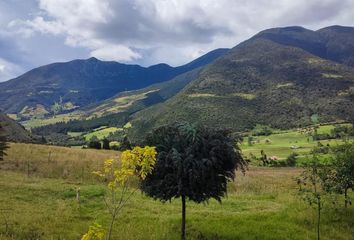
(150, 31)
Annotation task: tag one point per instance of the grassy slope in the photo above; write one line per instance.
(257, 82)
(260, 205)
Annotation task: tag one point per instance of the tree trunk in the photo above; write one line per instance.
(183, 227)
(318, 217)
(346, 197)
(111, 226)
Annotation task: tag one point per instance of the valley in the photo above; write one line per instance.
(253, 142)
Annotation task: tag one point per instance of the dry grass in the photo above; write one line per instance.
(260, 180)
(55, 162)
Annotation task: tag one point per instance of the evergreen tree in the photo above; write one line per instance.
(105, 144)
(94, 143)
(125, 144)
(193, 163)
(3, 144)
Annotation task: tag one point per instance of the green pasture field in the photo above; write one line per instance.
(101, 132)
(282, 143)
(40, 203)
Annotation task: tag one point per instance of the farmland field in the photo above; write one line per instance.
(281, 144)
(41, 202)
(101, 133)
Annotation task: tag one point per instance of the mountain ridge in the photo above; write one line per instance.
(261, 81)
(81, 82)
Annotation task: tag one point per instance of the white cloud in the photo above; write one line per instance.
(171, 31)
(8, 70)
(116, 53)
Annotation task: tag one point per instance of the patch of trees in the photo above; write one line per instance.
(319, 181)
(262, 130)
(62, 140)
(339, 131)
(273, 161)
(118, 119)
(94, 143)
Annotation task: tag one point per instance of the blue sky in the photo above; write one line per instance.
(146, 32)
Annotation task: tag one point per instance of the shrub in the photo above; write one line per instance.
(291, 159)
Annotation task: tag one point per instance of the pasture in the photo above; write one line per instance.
(281, 144)
(40, 202)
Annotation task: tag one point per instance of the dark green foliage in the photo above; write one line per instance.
(64, 140)
(291, 159)
(320, 149)
(250, 140)
(3, 144)
(94, 143)
(312, 188)
(323, 136)
(125, 144)
(261, 130)
(195, 162)
(342, 131)
(112, 120)
(264, 158)
(340, 176)
(105, 144)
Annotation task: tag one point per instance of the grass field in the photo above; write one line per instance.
(38, 122)
(282, 143)
(260, 205)
(101, 132)
(55, 162)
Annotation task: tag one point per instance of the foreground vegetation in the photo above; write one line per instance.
(260, 205)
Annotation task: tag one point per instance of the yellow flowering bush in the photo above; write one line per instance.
(138, 162)
(95, 232)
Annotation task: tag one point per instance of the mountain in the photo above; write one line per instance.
(114, 111)
(279, 77)
(64, 87)
(334, 43)
(13, 131)
(133, 101)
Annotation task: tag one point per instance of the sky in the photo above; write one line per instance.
(145, 32)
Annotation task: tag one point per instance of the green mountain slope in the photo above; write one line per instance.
(114, 111)
(259, 81)
(64, 87)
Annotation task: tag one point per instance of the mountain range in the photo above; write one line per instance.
(64, 87)
(279, 77)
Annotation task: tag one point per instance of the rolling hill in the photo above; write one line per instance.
(64, 87)
(279, 77)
